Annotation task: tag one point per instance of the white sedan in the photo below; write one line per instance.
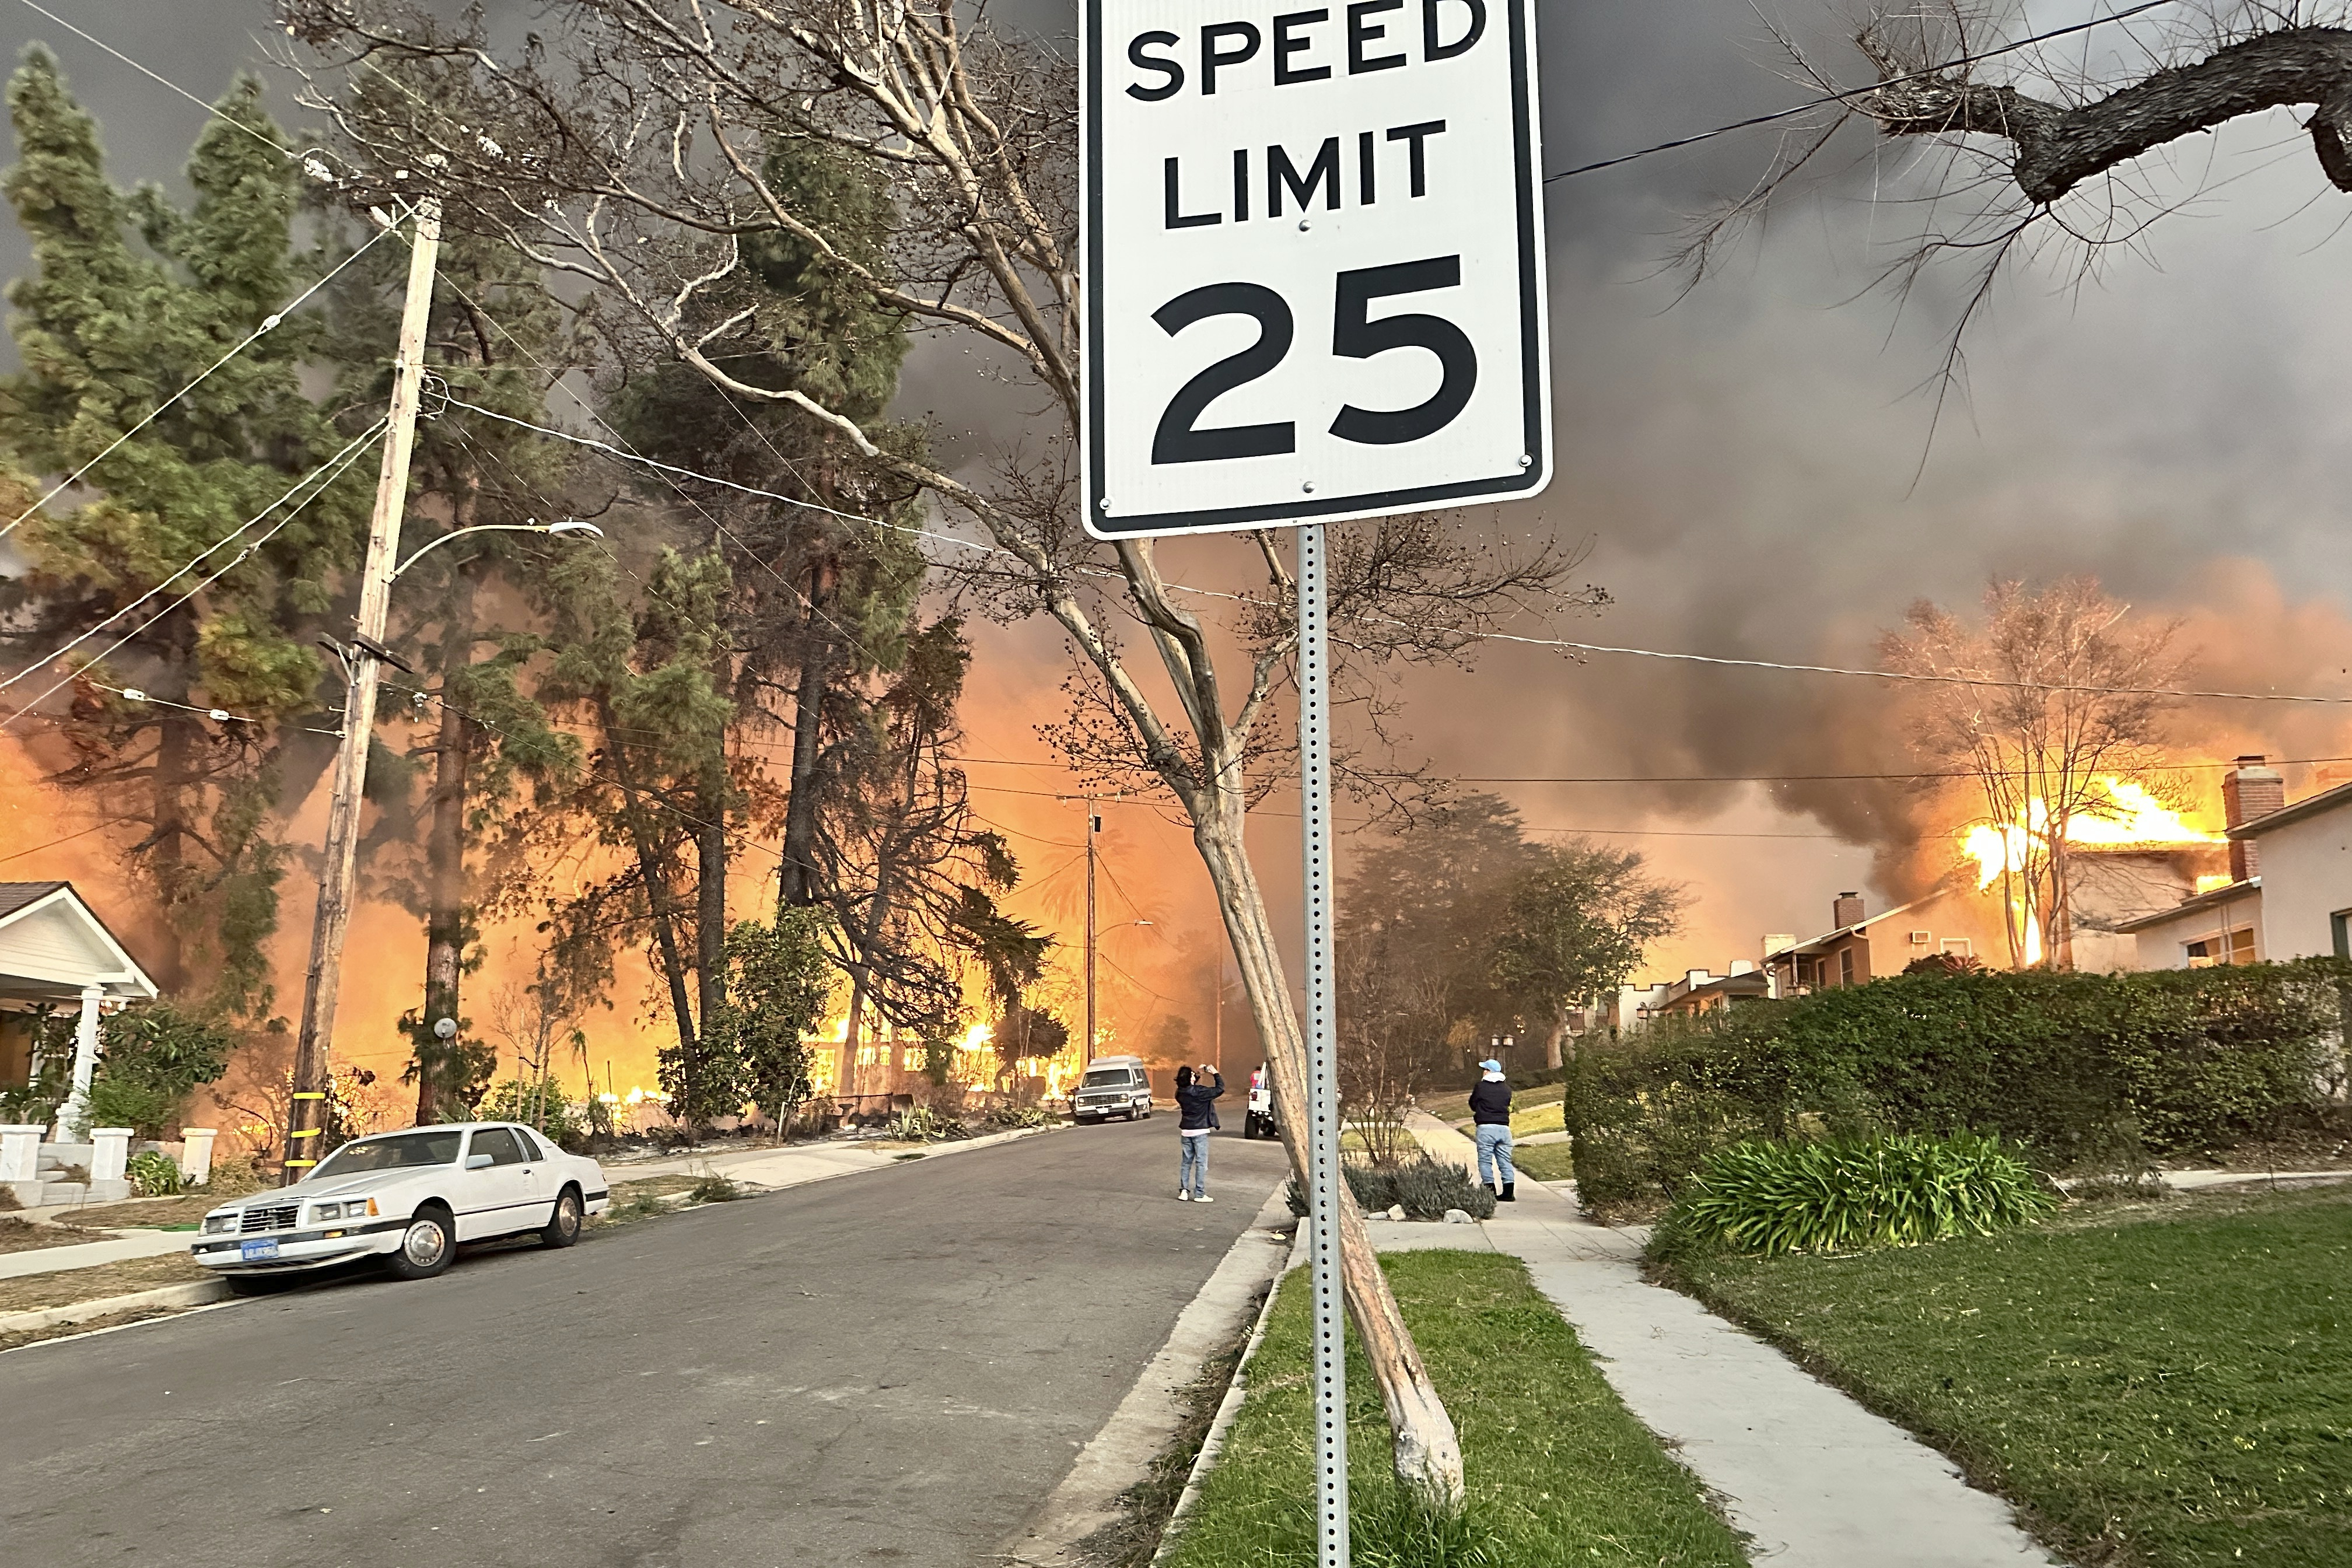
(409, 1198)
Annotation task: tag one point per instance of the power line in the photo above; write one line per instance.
(349, 455)
(1852, 92)
(162, 81)
(269, 323)
(52, 844)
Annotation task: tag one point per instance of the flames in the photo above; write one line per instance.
(2128, 815)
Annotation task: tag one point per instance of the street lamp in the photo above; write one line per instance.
(568, 525)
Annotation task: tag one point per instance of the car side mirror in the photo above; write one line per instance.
(479, 1162)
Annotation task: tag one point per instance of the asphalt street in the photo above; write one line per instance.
(896, 1367)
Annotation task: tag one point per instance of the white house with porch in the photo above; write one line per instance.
(55, 954)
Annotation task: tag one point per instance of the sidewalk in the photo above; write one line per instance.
(126, 1245)
(1810, 1475)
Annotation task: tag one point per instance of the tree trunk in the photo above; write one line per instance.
(659, 901)
(710, 899)
(444, 857)
(167, 857)
(1427, 1455)
(796, 883)
(1552, 1057)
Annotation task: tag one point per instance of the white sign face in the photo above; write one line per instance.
(1313, 265)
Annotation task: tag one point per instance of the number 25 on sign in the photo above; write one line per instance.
(1313, 261)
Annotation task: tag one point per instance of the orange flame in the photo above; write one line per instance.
(2130, 814)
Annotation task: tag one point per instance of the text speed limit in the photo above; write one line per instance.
(1313, 267)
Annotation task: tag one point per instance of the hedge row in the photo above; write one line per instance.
(2087, 1071)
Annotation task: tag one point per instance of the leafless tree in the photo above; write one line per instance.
(2048, 142)
(2075, 704)
(626, 152)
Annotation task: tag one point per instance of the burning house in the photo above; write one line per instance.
(2289, 890)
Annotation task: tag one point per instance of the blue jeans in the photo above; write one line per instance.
(1495, 1149)
(1192, 1175)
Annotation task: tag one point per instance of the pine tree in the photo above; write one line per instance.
(200, 534)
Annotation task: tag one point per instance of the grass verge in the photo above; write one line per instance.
(1559, 1473)
(1453, 1108)
(1544, 1161)
(2158, 1386)
(29, 1292)
(25, 1235)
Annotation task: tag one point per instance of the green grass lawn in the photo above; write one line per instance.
(2161, 1385)
(1455, 1107)
(1560, 1474)
(1544, 1162)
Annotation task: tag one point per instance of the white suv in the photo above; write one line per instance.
(409, 1198)
(1114, 1086)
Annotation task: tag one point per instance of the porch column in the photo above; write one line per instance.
(196, 1154)
(73, 1116)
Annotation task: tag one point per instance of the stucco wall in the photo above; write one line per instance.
(2160, 945)
(2306, 869)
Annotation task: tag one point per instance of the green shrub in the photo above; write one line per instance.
(2093, 1073)
(542, 1106)
(1849, 1195)
(153, 1175)
(1010, 1117)
(150, 1057)
(1426, 1188)
(921, 1124)
(713, 1188)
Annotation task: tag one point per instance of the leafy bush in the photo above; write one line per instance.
(1850, 1195)
(153, 1175)
(1426, 1188)
(921, 1124)
(1005, 1117)
(713, 1188)
(536, 1105)
(2090, 1072)
(151, 1057)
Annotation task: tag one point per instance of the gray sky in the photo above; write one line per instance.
(1744, 459)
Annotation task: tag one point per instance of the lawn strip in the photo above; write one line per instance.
(1558, 1472)
(2157, 1386)
(64, 1287)
(1544, 1161)
(187, 1209)
(27, 1236)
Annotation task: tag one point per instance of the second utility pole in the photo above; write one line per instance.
(1094, 826)
(306, 1120)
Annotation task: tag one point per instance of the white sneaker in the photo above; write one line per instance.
(1183, 1196)
(1204, 1198)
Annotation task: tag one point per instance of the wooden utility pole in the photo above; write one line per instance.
(306, 1120)
(1094, 826)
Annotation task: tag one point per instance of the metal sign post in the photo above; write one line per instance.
(1323, 1176)
(1312, 246)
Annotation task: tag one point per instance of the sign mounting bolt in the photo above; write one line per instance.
(1303, 226)
(1308, 487)
(1526, 462)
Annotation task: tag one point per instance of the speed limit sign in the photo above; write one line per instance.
(1313, 275)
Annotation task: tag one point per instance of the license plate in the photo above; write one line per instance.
(256, 1251)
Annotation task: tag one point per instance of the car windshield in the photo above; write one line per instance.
(438, 1147)
(1108, 1078)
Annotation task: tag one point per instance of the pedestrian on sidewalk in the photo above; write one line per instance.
(1196, 1092)
(1490, 1104)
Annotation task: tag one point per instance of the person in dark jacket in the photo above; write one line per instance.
(1196, 1093)
(1490, 1106)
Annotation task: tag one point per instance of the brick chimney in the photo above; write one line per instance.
(1845, 910)
(2248, 791)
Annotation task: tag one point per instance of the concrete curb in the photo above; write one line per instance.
(1120, 1455)
(196, 1293)
(1230, 1406)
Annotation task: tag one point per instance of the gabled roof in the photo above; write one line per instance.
(1858, 925)
(2251, 888)
(15, 896)
(2309, 805)
(74, 950)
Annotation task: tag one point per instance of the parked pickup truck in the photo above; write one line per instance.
(408, 1199)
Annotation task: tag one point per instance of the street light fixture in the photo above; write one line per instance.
(567, 525)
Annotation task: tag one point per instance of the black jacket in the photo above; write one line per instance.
(1193, 1103)
(1491, 1103)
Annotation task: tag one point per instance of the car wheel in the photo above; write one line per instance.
(427, 1246)
(253, 1284)
(562, 1226)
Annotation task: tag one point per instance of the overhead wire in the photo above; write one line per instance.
(1844, 95)
(340, 462)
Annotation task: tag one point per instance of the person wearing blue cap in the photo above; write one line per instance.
(1490, 1105)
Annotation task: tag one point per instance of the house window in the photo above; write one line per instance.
(1959, 947)
(1845, 966)
(2228, 947)
(2338, 923)
(1922, 938)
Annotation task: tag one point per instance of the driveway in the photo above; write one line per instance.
(890, 1368)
